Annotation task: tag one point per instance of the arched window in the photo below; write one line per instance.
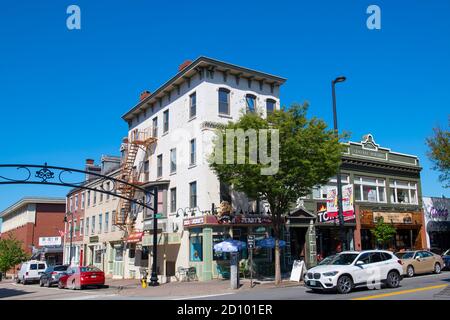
(224, 101)
(250, 100)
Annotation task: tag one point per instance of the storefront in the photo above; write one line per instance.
(208, 230)
(408, 225)
(437, 222)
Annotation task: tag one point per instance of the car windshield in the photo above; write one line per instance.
(447, 253)
(406, 255)
(89, 269)
(327, 260)
(60, 268)
(343, 259)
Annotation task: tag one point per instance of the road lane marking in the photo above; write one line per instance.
(400, 292)
(207, 296)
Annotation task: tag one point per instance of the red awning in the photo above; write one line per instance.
(135, 237)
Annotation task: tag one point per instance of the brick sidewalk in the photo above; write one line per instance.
(132, 288)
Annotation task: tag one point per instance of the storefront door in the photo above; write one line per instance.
(118, 261)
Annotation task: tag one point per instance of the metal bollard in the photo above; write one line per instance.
(234, 270)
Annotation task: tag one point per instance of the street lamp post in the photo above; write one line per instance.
(154, 275)
(339, 184)
(71, 234)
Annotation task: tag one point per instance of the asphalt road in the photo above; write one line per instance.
(425, 287)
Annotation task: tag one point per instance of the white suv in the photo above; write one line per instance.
(351, 269)
(31, 271)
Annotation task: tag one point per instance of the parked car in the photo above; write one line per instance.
(351, 269)
(420, 261)
(51, 275)
(81, 277)
(31, 271)
(446, 258)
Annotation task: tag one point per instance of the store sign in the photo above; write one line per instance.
(49, 241)
(324, 217)
(251, 220)
(193, 221)
(135, 237)
(394, 217)
(436, 209)
(93, 239)
(368, 153)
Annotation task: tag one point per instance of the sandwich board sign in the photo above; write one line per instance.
(297, 270)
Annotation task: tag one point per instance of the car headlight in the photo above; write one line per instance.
(330, 274)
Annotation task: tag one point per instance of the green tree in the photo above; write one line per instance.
(309, 154)
(11, 253)
(383, 232)
(439, 153)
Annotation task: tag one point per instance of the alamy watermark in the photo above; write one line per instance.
(258, 144)
(374, 20)
(73, 21)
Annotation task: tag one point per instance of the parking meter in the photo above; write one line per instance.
(234, 270)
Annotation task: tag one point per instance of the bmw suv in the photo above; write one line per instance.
(351, 269)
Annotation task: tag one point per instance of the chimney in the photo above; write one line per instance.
(184, 65)
(91, 167)
(144, 94)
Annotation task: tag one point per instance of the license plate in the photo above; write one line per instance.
(312, 283)
(93, 276)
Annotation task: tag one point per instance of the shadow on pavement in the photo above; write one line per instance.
(7, 293)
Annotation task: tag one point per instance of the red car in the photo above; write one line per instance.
(81, 277)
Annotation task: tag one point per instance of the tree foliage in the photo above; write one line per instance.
(11, 253)
(383, 232)
(309, 154)
(439, 153)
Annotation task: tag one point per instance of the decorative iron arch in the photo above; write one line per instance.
(57, 176)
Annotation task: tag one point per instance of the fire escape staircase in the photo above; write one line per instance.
(137, 140)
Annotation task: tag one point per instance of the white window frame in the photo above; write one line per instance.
(358, 181)
(81, 227)
(411, 186)
(173, 164)
(345, 179)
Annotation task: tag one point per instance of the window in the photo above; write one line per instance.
(108, 188)
(76, 202)
(86, 232)
(146, 170)
(196, 249)
(93, 225)
(403, 192)
(270, 105)
(192, 105)
(95, 197)
(159, 166)
(101, 196)
(370, 189)
(71, 204)
(224, 101)
(173, 160)
(173, 199)
(89, 198)
(320, 192)
(82, 200)
(155, 127)
(192, 152)
(166, 121)
(100, 223)
(98, 256)
(113, 218)
(250, 102)
(193, 194)
(106, 221)
(81, 227)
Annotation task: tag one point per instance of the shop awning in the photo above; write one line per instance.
(135, 237)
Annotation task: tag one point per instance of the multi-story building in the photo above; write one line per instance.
(437, 223)
(37, 222)
(385, 184)
(182, 115)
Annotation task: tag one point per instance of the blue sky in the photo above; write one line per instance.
(62, 92)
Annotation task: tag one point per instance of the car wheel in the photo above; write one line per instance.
(410, 271)
(393, 279)
(344, 284)
(41, 283)
(437, 268)
(24, 282)
(60, 285)
(48, 285)
(17, 280)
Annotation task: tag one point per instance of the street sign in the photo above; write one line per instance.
(158, 215)
(251, 241)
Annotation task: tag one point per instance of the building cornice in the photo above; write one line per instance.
(196, 66)
(31, 200)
